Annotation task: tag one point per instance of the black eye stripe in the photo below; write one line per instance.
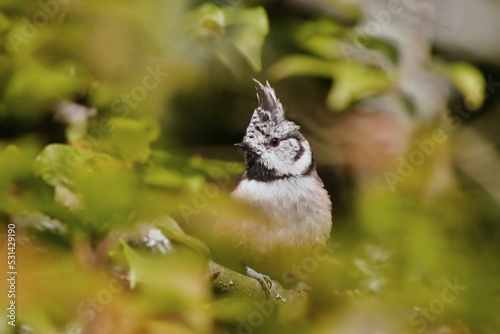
(294, 135)
(299, 153)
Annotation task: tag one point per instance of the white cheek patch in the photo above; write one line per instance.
(290, 158)
(304, 162)
(287, 151)
(296, 149)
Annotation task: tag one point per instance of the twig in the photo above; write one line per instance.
(232, 283)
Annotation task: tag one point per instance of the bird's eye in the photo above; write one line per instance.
(275, 142)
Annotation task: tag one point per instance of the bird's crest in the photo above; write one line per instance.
(267, 98)
(269, 115)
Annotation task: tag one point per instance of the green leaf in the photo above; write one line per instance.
(138, 265)
(354, 82)
(249, 28)
(130, 139)
(16, 160)
(143, 265)
(108, 195)
(155, 175)
(380, 46)
(216, 170)
(230, 33)
(325, 47)
(469, 81)
(173, 231)
(301, 65)
(76, 132)
(175, 284)
(57, 163)
(103, 184)
(4, 22)
(16, 163)
(208, 19)
(321, 37)
(324, 27)
(35, 87)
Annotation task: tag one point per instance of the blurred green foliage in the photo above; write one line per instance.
(90, 95)
(328, 43)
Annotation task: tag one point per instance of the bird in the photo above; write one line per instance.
(288, 214)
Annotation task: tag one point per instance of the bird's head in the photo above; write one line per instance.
(274, 147)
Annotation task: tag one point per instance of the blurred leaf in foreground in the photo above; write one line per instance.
(352, 82)
(103, 183)
(228, 29)
(468, 80)
(129, 139)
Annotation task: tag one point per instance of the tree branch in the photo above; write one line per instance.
(232, 283)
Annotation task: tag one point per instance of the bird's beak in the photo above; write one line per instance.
(244, 145)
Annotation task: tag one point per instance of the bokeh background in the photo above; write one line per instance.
(117, 124)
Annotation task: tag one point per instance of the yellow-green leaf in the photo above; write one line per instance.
(249, 29)
(469, 81)
(300, 65)
(130, 139)
(354, 82)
